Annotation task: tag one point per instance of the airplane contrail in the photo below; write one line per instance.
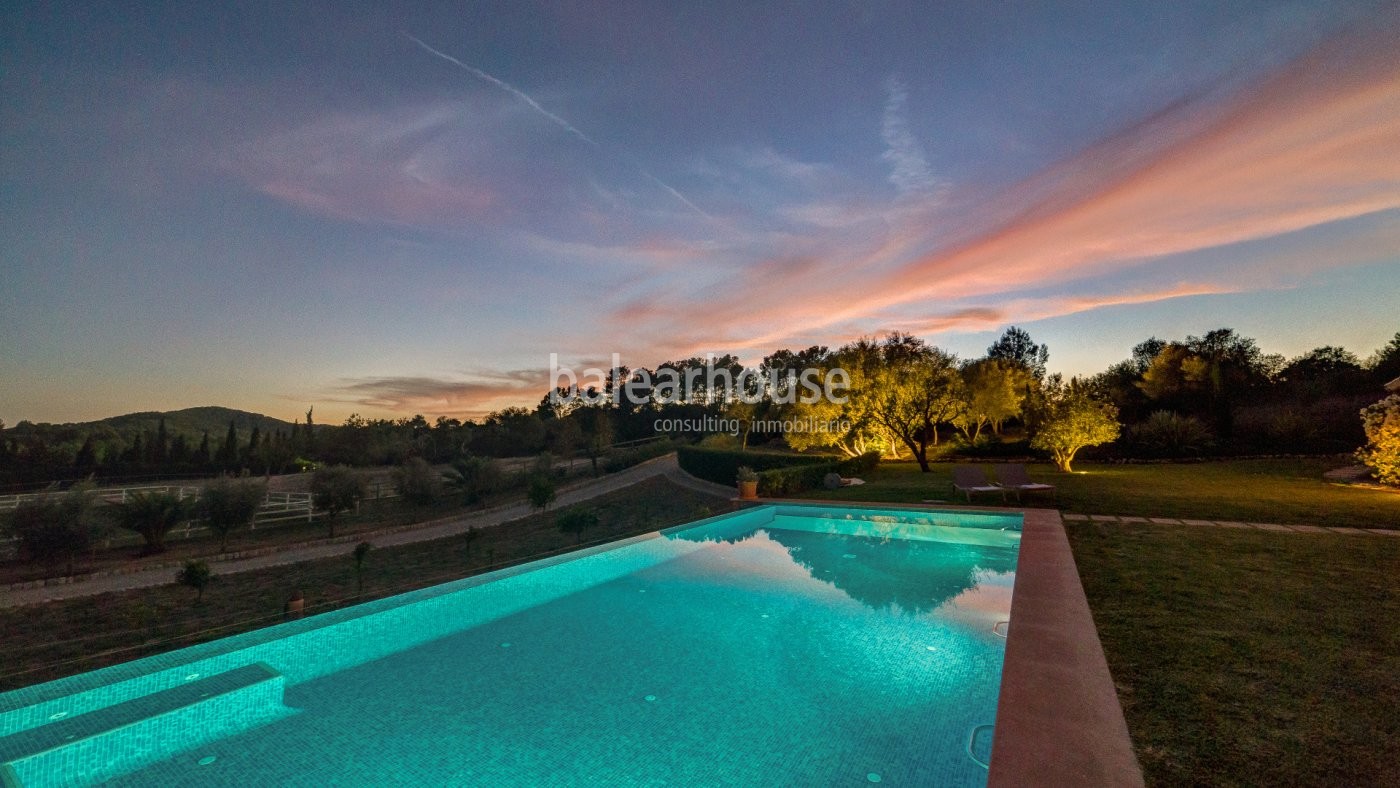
(676, 194)
(535, 105)
(509, 88)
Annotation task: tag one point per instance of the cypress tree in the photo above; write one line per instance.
(202, 458)
(228, 453)
(160, 450)
(86, 461)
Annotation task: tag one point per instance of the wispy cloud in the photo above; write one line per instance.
(911, 172)
(1312, 145)
(472, 397)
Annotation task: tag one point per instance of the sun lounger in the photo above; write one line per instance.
(1013, 477)
(969, 479)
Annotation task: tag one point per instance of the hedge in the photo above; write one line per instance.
(795, 479)
(721, 466)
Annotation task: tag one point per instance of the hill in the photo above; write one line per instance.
(190, 422)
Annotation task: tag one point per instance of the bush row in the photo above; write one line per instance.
(621, 459)
(721, 466)
(796, 478)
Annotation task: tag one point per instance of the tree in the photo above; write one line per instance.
(152, 515)
(576, 521)
(541, 493)
(917, 389)
(993, 389)
(227, 505)
(476, 477)
(1384, 364)
(597, 433)
(1015, 345)
(1325, 370)
(86, 460)
(228, 453)
(418, 482)
(55, 529)
(1381, 453)
(196, 575)
(1073, 419)
(335, 489)
(360, 553)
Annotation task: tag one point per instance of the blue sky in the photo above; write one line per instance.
(395, 211)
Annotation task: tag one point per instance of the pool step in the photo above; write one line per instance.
(107, 742)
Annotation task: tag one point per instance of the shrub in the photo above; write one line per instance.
(797, 478)
(541, 492)
(1381, 453)
(476, 477)
(576, 521)
(55, 529)
(196, 575)
(721, 466)
(226, 505)
(1168, 434)
(418, 482)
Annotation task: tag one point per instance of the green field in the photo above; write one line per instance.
(1248, 657)
(1288, 491)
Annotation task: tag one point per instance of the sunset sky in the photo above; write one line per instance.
(406, 210)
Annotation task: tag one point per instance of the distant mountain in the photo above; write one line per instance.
(190, 422)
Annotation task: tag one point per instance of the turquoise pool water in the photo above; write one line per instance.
(785, 645)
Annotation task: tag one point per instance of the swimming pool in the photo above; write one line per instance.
(781, 644)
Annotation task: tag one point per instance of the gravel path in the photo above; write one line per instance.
(577, 493)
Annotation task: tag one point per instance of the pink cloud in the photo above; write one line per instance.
(1311, 145)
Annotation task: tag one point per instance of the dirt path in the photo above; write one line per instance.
(573, 494)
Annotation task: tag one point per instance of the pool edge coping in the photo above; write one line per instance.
(1059, 721)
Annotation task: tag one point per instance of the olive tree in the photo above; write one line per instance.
(1071, 420)
(336, 489)
(152, 515)
(228, 504)
(1381, 453)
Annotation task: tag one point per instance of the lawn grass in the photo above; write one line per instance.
(1248, 657)
(60, 638)
(1287, 491)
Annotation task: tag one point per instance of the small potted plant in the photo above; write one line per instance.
(748, 483)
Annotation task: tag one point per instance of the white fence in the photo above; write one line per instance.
(278, 508)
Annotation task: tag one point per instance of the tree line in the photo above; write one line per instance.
(1214, 394)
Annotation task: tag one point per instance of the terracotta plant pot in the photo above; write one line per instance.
(748, 490)
(295, 606)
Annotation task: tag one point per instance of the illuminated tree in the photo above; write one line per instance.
(1073, 419)
(1382, 451)
(917, 389)
(993, 389)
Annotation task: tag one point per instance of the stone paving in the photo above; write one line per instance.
(1312, 529)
